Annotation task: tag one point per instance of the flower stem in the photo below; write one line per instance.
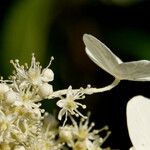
(87, 90)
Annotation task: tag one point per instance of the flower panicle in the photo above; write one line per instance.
(24, 125)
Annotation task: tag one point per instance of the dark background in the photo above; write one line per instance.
(56, 28)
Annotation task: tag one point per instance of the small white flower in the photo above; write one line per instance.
(34, 74)
(83, 130)
(138, 121)
(66, 135)
(100, 54)
(69, 104)
(87, 138)
(25, 101)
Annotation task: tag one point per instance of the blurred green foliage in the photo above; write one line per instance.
(134, 44)
(25, 30)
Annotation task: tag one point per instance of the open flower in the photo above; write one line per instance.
(33, 75)
(100, 54)
(69, 104)
(86, 137)
(138, 121)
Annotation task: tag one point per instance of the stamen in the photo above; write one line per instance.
(50, 62)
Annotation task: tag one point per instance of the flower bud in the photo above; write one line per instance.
(47, 75)
(45, 90)
(11, 96)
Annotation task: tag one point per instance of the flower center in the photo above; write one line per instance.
(71, 105)
(83, 133)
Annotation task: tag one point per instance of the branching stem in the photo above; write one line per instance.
(87, 90)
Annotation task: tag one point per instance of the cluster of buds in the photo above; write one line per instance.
(24, 125)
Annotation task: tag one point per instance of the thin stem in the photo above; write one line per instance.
(87, 90)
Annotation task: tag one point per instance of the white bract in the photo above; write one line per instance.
(100, 54)
(138, 121)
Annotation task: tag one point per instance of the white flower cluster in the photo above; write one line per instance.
(25, 126)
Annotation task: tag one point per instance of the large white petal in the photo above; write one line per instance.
(138, 121)
(101, 54)
(135, 70)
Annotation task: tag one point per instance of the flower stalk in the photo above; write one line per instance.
(89, 90)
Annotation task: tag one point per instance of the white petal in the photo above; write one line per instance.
(47, 75)
(61, 103)
(101, 54)
(135, 70)
(104, 58)
(138, 121)
(61, 113)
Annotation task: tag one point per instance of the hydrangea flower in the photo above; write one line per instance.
(24, 125)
